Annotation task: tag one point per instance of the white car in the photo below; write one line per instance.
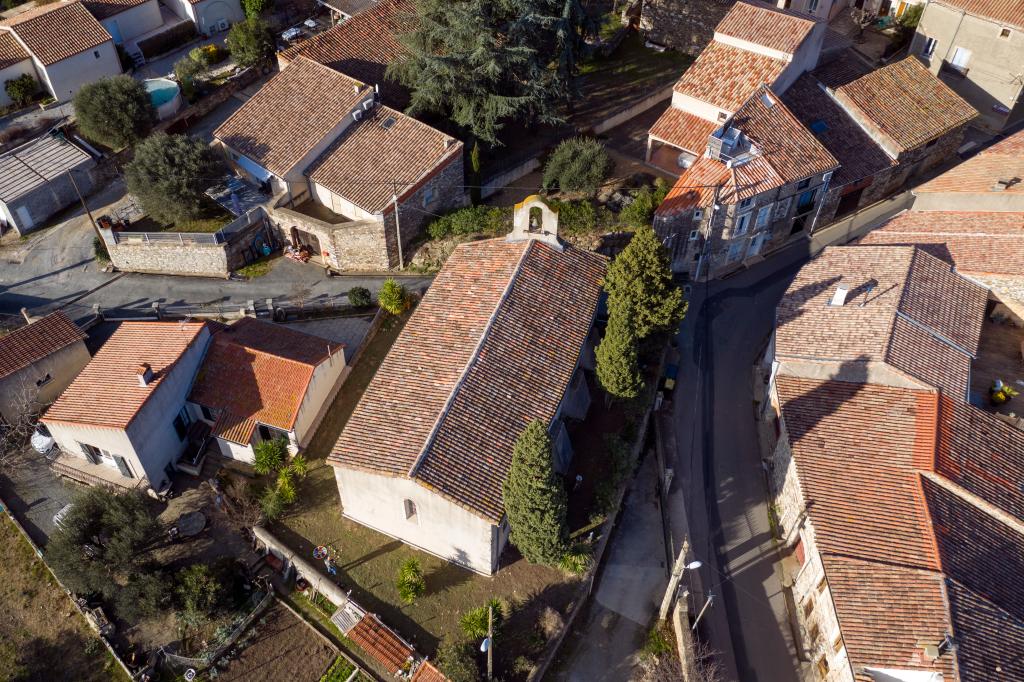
(42, 441)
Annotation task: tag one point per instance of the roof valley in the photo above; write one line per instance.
(469, 363)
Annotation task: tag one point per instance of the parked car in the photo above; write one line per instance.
(42, 441)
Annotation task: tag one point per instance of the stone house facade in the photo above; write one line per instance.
(336, 183)
(977, 49)
(684, 25)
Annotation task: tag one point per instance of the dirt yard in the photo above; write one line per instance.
(282, 647)
(42, 635)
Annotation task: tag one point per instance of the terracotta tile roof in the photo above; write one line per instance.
(884, 283)
(1003, 12)
(858, 155)
(426, 672)
(291, 115)
(501, 317)
(980, 174)
(885, 612)
(381, 643)
(695, 188)
(35, 341)
(872, 434)
(11, 51)
(905, 104)
(104, 9)
(981, 454)
(725, 76)
(684, 130)
(58, 31)
(363, 46)
(257, 372)
(987, 636)
(845, 69)
(767, 26)
(107, 392)
(975, 243)
(386, 146)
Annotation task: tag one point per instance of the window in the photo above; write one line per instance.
(96, 54)
(742, 225)
(815, 633)
(207, 413)
(1004, 33)
(812, 7)
(823, 666)
(808, 607)
(722, 116)
(694, 235)
(181, 423)
(410, 509)
(782, 208)
(960, 59)
(42, 382)
(763, 215)
(929, 47)
(92, 453)
(746, 203)
(804, 184)
(822, 584)
(837, 643)
(805, 202)
(735, 251)
(698, 214)
(428, 196)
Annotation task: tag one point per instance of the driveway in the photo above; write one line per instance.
(34, 493)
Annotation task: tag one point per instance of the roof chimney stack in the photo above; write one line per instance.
(145, 374)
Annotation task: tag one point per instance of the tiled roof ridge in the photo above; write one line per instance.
(881, 561)
(265, 353)
(920, 253)
(470, 362)
(334, 73)
(1007, 519)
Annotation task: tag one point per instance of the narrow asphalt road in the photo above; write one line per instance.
(54, 267)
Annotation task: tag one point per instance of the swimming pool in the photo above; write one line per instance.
(165, 96)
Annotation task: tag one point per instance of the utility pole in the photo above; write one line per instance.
(710, 599)
(490, 639)
(95, 227)
(398, 226)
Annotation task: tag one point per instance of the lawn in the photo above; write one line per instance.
(368, 561)
(42, 635)
(213, 218)
(257, 268)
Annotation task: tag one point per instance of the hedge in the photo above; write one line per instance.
(168, 40)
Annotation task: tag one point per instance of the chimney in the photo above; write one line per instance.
(144, 374)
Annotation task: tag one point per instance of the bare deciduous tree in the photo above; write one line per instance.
(243, 505)
(16, 429)
(862, 17)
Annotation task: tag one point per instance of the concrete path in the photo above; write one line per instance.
(609, 633)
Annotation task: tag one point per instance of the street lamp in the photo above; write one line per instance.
(487, 646)
(693, 565)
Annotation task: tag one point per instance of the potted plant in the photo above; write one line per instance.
(1001, 393)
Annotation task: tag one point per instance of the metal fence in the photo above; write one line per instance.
(208, 659)
(224, 235)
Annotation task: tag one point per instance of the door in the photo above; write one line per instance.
(115, 32)
(25, 222)
(756, 244)
(960, 59)
(122, 465)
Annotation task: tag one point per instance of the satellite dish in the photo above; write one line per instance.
(190, 675)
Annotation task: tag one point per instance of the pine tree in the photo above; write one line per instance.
(639, 281)
(618, 370)
(473, 61)
(535, 500)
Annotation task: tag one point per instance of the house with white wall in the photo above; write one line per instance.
(37, 362)
(209, 16)
(158, 390)
(262, 381)
(123, 420)
(126, 20)
(497, 342)
(369, 175)
(65, 44)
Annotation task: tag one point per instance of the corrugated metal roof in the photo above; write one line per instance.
(32, 165)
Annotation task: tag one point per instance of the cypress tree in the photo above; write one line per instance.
(535, 499)
(639, 285)
(618, 370)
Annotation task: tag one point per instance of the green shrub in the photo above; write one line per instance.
(256, 8)
(410, 582)
(360, 297)
(270, 455)
(576, 561)
(474, 623)
(272, 504)
(99, 250)
(392, 297)
(640, 211)
(579, 164)
(576, 217)
(208, 55)
(490, 220)
(22, 89)
(286, 487)
(657, 643)
(160, 43)
(339, 671)
(251, 42)
(188, 70)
